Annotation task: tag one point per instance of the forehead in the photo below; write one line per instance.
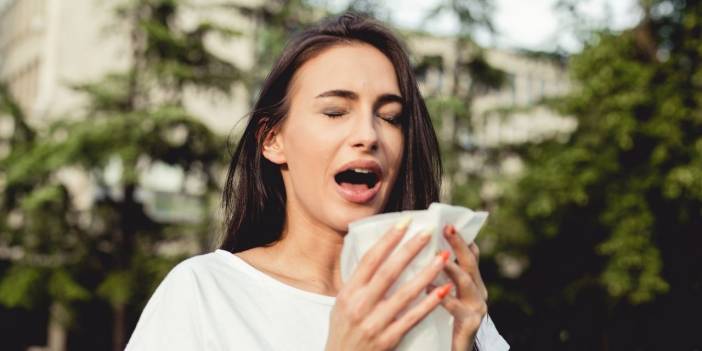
(357, 67)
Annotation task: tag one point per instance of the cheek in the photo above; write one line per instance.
(308, 149)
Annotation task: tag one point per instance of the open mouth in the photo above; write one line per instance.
(357, 178)
(359, 181)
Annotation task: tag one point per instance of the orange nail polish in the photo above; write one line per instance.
(443, 290)
(449, 230)
(444, 255)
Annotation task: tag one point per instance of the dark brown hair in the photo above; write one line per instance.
(254, 193)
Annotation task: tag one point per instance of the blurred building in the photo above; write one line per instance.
(530, 79)
(48, 45)
(501, 117)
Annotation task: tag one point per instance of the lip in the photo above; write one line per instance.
(360, 196)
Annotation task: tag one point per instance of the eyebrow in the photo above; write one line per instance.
(347, 94)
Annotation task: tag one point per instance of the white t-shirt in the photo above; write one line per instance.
(217, 301)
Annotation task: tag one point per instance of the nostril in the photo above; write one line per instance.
(372, 146)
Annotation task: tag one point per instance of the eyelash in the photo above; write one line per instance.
(334, 114)
(394, 120)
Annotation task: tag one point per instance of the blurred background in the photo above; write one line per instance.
(576, 124)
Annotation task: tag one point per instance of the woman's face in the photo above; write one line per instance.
(340, 146)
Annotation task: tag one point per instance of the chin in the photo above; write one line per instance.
(352, 213)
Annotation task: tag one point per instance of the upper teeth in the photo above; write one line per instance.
(361, 170)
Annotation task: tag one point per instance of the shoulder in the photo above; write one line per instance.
(207, 276)
(184, 286)
(181, 282)
(193, 266)
(201, 266)
(186, 273)
(176, 307)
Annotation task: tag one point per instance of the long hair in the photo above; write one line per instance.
(254, 193)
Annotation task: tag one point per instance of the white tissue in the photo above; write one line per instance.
(434, 331)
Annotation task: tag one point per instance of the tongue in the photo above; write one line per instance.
(354, 187)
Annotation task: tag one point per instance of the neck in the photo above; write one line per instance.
(306, 256)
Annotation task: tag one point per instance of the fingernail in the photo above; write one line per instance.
(444, 255)
(427, 232)
(449, 229)
(443, 290)
(403, 222)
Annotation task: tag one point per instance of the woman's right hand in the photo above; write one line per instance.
(362, 319)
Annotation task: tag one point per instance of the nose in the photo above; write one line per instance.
(364, 135)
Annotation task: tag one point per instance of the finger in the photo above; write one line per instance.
(399, 327)
(465, 285)
(477, 277)
(393, 267)
(467, 305)
(452, 304)
(475, 250)
(392, 306)
(378, 253)
(465, 257)
(468, 317)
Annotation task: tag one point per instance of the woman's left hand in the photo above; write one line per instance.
(469, 305)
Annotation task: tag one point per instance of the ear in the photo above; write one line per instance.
(273, 147)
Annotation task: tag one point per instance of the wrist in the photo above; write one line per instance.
(465, 342)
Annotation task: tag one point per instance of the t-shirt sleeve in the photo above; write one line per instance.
(170, 320)
(488, 338)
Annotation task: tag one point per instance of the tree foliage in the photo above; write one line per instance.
(134, 119)
(611, 219)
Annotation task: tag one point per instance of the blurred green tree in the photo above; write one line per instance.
(611, 219)
(275, 21)
(38, 232)
(134, 120)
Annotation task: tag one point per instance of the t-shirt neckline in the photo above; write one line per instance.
(239, 263)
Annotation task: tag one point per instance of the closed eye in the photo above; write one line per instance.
(334, 114)
(392, 119)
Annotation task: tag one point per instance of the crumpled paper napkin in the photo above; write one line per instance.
(434, 331)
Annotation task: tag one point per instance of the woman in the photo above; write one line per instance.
(339, 132)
